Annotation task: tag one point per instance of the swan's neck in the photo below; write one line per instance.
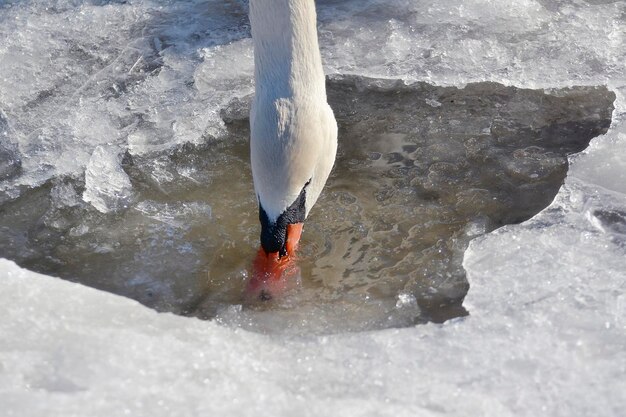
(287, 61)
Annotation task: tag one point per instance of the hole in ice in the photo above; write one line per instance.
(421, 170)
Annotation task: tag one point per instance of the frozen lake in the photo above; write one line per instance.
(463, 259)
(421, 171)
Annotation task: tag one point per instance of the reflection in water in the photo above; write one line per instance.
(271, 277)
(421, 170)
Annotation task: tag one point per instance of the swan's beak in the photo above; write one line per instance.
(270, 270)
(294, 232)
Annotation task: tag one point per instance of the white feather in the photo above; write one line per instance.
(293, 130)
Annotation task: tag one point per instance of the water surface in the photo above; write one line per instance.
(421, 170)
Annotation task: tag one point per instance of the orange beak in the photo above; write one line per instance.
(270, 271)
(294, 232)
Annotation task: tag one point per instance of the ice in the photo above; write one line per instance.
(476, 40)
(107, 186)
(410, 188)
(604, 163)
(520, 353)
(545, 333)
(10, 161)
(96, 84)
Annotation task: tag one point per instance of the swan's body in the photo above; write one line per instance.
(293, 131)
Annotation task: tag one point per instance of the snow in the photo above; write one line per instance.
(545, 346)
(547, 324)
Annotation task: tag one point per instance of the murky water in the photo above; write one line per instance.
(421, 170)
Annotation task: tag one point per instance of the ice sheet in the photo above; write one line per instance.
(543, 346)
(546, 331)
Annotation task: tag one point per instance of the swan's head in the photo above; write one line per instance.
(286, 194)
(292, 153)
(280, 232)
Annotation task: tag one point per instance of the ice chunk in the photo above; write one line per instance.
(10, 162)
(107, 186)
(605, 162)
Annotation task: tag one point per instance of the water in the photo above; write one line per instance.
(421, 170)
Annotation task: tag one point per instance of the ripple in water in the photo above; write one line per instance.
(421, 170)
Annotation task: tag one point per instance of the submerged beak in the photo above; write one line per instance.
(271, 271)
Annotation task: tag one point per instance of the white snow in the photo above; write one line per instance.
(546, 333)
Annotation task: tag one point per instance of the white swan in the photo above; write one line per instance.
(293, 130)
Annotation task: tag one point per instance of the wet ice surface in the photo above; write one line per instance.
(546, 330)
(97, 84)
(421, 171)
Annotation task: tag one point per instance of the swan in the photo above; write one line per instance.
(293, 132)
